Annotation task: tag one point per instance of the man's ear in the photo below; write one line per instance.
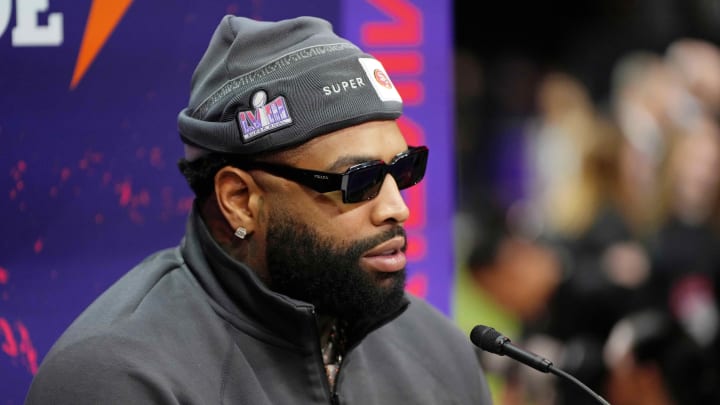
(234, 190)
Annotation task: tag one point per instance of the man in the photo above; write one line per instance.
(288, 287)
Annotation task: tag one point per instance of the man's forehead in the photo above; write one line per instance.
(369, 141)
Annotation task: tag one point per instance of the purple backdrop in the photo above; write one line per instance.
(413, 39)
(90, 94)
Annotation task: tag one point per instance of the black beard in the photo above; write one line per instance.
(306, 266)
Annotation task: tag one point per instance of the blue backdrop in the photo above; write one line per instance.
(89, 94)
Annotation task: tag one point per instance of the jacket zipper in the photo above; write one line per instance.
(334, 397)
(334, 400)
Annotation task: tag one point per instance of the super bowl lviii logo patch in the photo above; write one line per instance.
(265, 116)
(380, 80)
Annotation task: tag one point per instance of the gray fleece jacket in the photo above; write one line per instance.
(190, 325)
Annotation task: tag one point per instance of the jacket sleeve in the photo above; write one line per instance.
(90, 373)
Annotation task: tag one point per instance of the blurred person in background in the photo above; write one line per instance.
(645, 98)
(686, 249)
(505, 280)
(653, 361)
(563, 131)
(697, 62)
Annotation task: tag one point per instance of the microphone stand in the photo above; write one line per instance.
(493, 341)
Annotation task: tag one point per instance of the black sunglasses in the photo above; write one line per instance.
(360, 182)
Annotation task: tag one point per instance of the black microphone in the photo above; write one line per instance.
(490, 340)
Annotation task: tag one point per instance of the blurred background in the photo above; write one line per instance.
(582, 138)
(587, 151)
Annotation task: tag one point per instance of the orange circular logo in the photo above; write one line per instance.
(382, 78)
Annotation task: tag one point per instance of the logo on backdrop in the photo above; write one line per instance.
(30, 32)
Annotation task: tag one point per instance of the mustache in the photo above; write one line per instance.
(359, 247)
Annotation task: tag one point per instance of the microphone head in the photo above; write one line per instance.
(488, 339)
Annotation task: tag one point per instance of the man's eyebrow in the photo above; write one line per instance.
(349, 160)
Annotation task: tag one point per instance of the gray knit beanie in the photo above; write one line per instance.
(264, 86)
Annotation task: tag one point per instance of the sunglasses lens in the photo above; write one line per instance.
(410, 169)
(364, 183)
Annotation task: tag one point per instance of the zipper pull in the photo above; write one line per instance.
(335, 399)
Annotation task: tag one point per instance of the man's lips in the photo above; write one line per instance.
(387, 256)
